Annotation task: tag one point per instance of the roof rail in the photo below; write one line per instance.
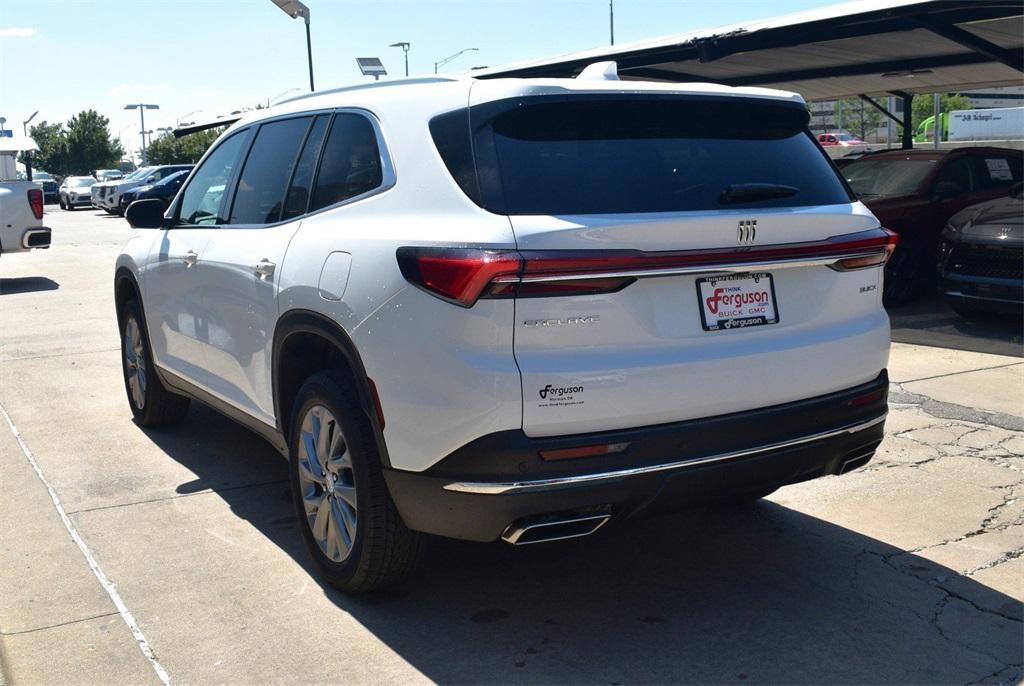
(375, 84)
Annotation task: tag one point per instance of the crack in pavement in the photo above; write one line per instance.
(943, 410)
(59, 624)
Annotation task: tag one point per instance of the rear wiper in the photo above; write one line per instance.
(749, 192)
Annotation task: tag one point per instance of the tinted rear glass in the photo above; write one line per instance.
(626, 155)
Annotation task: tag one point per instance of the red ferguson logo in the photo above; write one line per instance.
(723, 299)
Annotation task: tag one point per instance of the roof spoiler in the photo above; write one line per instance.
(196, 127)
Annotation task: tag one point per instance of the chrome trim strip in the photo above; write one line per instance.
(699, 269)
(981, 298)
(481, 488)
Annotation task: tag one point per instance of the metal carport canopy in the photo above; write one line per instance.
(865, 47)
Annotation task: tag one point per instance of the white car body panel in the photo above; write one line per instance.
(447, 375)
(16, 216)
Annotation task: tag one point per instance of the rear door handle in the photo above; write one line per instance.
(190, 258)
(264, 268)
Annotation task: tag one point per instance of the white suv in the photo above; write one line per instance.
(514, 309)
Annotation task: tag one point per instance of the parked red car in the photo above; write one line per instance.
(844, 139)
(915, 192)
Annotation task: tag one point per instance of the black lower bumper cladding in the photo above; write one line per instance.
(479, 490)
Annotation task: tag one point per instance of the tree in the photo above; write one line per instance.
(82, 146)
(52, 154)
(924, 105)
(188, 149)
(858, 117)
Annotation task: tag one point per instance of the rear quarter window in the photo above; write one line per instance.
(562, 156)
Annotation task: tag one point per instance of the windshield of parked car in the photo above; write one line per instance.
(887, 177)
(138, 174)
(41, 176)
(81, 181)
(176, 177)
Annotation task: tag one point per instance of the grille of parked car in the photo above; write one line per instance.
(999, 263)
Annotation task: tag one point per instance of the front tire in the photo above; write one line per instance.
(348, 521)
(60, 201)
(151, 403)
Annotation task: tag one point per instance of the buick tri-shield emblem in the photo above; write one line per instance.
(746, 231)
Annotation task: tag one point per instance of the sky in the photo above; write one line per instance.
(216, 56)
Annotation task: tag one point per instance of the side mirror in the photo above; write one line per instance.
(145, 214)
(944, 190)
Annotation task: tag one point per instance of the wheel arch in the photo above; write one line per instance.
(125, 286)
(306, 342)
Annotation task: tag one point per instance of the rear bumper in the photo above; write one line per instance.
(480, 490)
(982, 293)
(38, 237)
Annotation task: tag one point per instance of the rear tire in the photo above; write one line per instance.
(348, 521)
(151, 403)
(901, 274)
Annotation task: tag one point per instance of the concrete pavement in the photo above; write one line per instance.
(910, 570)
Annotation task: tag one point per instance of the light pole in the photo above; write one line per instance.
(295, 9)
(446, 60)
(142, 107)
(24, 124)
(405, 49)
(611, 20)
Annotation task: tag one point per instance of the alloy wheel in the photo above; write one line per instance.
(327, 483)
(135, 362)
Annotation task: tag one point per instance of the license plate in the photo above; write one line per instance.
(737, 301)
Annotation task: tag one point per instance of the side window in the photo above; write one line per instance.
(203, 197)
(264, 179)
(958, 173)
(297, 200)
(350, 164)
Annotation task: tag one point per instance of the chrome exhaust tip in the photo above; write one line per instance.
(544, 530)
(856, 462)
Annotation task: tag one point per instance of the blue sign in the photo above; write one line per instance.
(6, 134)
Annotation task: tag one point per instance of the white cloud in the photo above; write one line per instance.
(18, 32)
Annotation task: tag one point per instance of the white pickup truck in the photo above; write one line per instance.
(21, 203)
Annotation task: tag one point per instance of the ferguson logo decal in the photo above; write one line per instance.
(559, 391)
(725, 299)
(590, 319)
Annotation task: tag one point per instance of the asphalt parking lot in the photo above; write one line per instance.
(908, 571)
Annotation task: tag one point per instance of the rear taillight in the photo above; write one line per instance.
(464, 275)
(35, 200)
(460, 276)
(877, 253)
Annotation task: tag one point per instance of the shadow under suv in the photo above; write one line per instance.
(513, 309)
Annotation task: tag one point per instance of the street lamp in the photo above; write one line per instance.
(446, 60)
(295, 9)
(405, 49)
(24, 124)
(142, 107)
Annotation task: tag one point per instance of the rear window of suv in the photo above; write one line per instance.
(600, 155)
